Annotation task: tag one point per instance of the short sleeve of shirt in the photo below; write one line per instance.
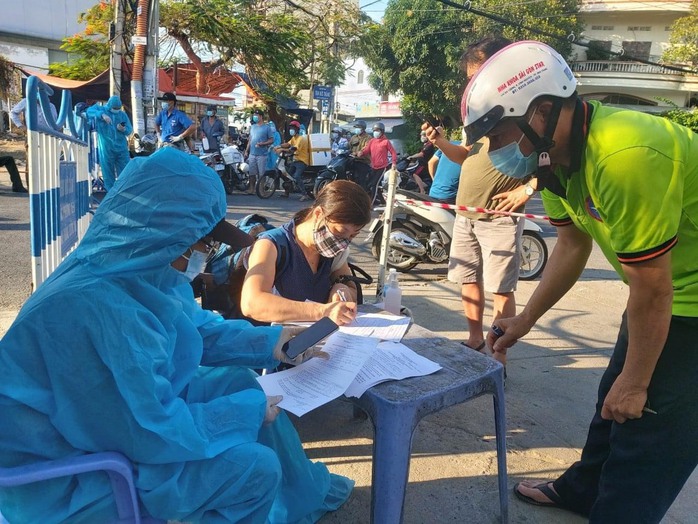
(158, 119)
(554, 208)
(639, 197)
(438, 153)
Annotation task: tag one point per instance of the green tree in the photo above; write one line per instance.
(684, 39)
(416, 50)
(283, 44)
(7, 70)
(88, 51)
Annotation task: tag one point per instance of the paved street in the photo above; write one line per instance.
(553, 375)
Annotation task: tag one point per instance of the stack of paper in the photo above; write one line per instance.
(355, 364)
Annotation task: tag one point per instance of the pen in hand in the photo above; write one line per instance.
(341, 294)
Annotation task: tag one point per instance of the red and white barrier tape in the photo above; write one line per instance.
(473, 209)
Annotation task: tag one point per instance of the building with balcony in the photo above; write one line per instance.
(637, 30)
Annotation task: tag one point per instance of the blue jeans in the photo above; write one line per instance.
(296, 170)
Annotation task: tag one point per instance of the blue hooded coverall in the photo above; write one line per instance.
(112, 142)
(112, 353)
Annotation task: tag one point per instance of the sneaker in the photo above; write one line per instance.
(304, 198)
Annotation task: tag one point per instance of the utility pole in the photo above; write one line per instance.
(117, 48)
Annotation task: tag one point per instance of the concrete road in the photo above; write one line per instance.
(553, 375)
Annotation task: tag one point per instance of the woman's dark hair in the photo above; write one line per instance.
(342, 201)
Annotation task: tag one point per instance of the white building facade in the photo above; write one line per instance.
(640, 30)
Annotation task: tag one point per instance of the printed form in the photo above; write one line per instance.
(319, 381)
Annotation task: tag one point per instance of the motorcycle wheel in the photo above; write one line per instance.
(534, 255)
(396, 259)
(228, 184)
(266, 185)
(319, 184)
(244, 183)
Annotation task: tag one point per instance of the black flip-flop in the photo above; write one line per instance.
(478, 349)
(555, 500)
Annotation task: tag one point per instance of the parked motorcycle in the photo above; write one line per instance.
(422, 234)
(280, 178)
(230, 165)
(339, 168)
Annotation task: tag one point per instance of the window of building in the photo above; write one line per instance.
(639, 28)
(602, 28)
(360, 77)
(639, 50)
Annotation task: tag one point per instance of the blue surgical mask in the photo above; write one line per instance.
(510, 161)
(255, 118)
(209, 113)
(292, 132)
(164, 104)
(357, 130)
(115, 110)
(196, 264)
(377, 134)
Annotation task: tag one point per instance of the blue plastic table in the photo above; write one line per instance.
(395, 408)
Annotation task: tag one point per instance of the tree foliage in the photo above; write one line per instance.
(88, 51)
(7, 70)
(684, 39)
(279, 42)
(686, 118)
(416, 50)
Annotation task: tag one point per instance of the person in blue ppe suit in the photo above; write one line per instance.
(152, 375)
(113, 127)
(273, 156)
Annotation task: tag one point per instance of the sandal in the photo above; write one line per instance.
(478, 349)
(545, 489)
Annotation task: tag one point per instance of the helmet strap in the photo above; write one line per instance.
(543, 145)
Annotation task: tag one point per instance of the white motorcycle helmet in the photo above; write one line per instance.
(507, 83)
(244, 167)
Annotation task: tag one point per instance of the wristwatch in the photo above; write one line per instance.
(529, 190)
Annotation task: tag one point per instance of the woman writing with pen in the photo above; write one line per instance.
(297, 272)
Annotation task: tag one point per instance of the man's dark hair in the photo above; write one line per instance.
(476, 54)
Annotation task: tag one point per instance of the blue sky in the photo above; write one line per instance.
(373, 8)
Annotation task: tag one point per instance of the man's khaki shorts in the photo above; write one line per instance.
(487, 252)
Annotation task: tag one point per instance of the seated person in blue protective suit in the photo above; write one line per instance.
(113, 128)
(112, 352)
(295, 272)
(446, 175)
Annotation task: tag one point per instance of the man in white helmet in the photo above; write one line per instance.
(628, 181)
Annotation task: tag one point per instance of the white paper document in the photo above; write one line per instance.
(390, 361)
(319, 381)
(383, 326)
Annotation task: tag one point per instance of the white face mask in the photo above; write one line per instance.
(377, 134)
(116, 111)
(196, 264)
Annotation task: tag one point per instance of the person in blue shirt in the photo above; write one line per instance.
(172, 125)
(113, 353)
(113, 126)
(257, 150)
(446, 175)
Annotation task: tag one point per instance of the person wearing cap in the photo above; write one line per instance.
(301, 158)
(257, 150)
(113, 128)
(338, 142)
(362, 167)
(629, 181)
(152, 376)
(212, 129)
(382, 154)
(172, 125)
